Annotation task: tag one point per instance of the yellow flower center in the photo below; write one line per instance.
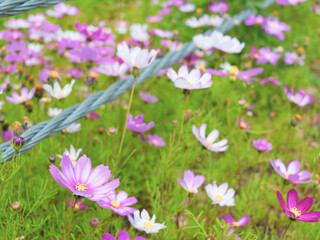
(21, 99)
(233, 70)
(259, 21)
(71, 159)
(66, 129)
(202, 68)
(154, 142)
(115, 204)
(268, 56)
(76, 207)
(242, 125)
(190, 190)
(81, 187)
(148, 224)
(189, 83)
(218, 197)
(208, 144)
(63, 95)
(295, 212)
(287, 175)
(256, 55)
(236, 224)
(53, 74)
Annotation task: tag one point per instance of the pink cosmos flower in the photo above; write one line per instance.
(300, 98)
(218, 7)
(137, 124)
(154, 19)
(79, 205)
(243, 125)
(289, 2)
(234, 73)
(273, 26)
(84, 181)
(147, 97)
(292, 172)
(207, 142)
(193, 80)
(122, 235)
(25, 96)
(190, 182)
(291, 58)
(253, 20)
(298, 210)
(241, 222)
(273, 80)
(262, 145)
(119, 203)
(155, 140)
(7, 134)
(266, 55)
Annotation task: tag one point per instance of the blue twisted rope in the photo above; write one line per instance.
(14, 7)
(45, 129)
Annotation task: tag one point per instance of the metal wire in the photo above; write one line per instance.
(13, 7)
(45, 129)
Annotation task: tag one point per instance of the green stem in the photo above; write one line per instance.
(5, 177)
(126, 120)
(286, 230)
(70, 221)
(182, 118)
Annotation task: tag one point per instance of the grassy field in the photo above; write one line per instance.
(150, 173)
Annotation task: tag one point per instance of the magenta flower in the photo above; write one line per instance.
(25, 96)
(241, 222)
(190, 182)
(253, 20)
(147, 97)
(262, 145)
(79, 205)
(273, 26)
(155, 140)
(218, 7)
(300, 98)
(273, 80)
(266, 55)
(291, 58)
(254, 53)
(291, 173)
(137, 124)
(234, 73)
(84, 181)
(154, 19)
(122, 235)
(298, 210)
(119, 203)
(207, 142)
(289, 2)
(7, 134)
(243, 125)
(193, 80)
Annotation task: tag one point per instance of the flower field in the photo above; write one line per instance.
(221, 144)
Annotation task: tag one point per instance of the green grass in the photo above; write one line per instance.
(150, 173)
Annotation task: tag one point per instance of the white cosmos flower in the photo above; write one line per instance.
(57, 92)
(203, 42)
(73, 154)
(139, 32)
(208, 142)
(113, 69)
(142, 222)
(53, 112)
(136, 57)
(193, 80)
(74, 127)
(215, 21)
(34, 47)
(220, 194)
(226, 43)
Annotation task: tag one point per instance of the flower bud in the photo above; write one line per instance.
(112, 131)
(15, 205)
(18, 142)
(52, 159)
(94, 222)
(293, 122)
